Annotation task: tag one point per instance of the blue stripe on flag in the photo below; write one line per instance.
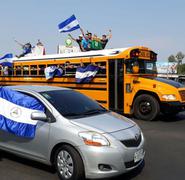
(86, 74)
(6, 60)
(10, 119)
(7, 56)
(19, 129)
(69, 24)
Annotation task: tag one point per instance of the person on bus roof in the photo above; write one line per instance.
(79, 39)
(105, 39)
(27, 48)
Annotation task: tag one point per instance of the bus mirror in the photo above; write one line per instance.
(135, 69)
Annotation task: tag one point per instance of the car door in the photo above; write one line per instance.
(37, 147)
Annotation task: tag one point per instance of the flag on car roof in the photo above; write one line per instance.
(15, 116)
(52, 71)
(6, 60)
(86, 74)
(69, 24)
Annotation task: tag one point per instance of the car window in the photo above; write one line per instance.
(49, 115)
(72, 104)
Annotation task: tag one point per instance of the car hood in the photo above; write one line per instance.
(104, 123)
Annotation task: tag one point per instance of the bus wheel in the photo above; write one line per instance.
(68, 164)
(146, 107)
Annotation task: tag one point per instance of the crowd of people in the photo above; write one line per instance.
(86, 42)
(89, 42)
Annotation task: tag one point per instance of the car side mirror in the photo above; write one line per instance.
(40, 116)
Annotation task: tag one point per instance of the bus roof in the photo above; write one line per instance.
(106, 52)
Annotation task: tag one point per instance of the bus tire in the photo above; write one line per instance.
(146, 107)
(69, 164)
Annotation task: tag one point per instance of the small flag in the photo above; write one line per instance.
(85, 75)
(69, 24)
(15, 116)
(52, 71)
(6, 60)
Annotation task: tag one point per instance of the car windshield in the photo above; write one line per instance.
(72, 104)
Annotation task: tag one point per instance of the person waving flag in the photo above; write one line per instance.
(69, 24)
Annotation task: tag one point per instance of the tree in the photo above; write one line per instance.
(179, 57)
(171, 58)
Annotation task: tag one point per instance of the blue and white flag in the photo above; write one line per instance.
(15, 112)
(6, 60)
(69, 24)
(52, 71)
(86, 74)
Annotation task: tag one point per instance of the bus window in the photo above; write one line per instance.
(102, 68)
(70, 69)
(145, 67)
(33, 69)
(18, 70)
(1, 71)
(25, 70)
(41, 69)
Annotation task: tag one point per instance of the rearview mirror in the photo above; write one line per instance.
(41, 116)
(135, 69)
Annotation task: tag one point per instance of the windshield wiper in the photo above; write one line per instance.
(71, 114)
(94, 111)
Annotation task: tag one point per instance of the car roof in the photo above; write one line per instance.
(36, 88)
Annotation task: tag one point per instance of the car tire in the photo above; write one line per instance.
(69, 164)
(146, 107)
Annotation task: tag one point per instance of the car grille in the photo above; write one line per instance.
(182, 94)
(132, 142)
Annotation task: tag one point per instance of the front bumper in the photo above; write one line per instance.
(171, 107)
(117, 157)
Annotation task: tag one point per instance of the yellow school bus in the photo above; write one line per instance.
(127, 81)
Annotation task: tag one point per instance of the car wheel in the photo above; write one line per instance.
(68, 163)
(146, 107)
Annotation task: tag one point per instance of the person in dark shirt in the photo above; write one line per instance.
(78, 40)
(105, 38)
(26, 49)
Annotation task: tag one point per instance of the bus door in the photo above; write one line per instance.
(116, 85)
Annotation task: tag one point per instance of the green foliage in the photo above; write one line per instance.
(179, 57)
(181, 69)
(171, 58)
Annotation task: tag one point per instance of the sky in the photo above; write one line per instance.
(157, 24)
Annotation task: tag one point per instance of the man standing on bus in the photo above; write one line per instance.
(105, 39)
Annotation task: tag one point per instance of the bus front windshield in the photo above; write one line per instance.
(145, 66)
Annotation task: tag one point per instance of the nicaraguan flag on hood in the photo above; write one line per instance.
(15, 112)
(69, 24)
(6, 60)
(86, 74)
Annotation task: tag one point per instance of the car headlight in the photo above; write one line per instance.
(169, 97)
(94, 139)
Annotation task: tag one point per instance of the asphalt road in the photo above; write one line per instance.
(165, 155)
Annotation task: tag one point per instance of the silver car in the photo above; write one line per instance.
(77, 135)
